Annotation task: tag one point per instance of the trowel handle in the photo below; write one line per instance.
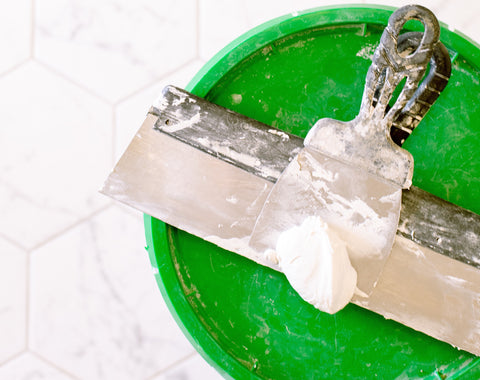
(428, 91)
(389, 66)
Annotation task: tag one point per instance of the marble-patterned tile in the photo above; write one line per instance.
(55, 151)
(15, 29)
(261, 11)
(233, 18)
(459, 15)
(114, 47)
(462, 16)
(130, 114)
(13, 268)
(95, 307)
(220, 22)
(194, 368)
(29, 367)
(472, 31)
(451, 12)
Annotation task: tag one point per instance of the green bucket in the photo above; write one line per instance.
(245, 319)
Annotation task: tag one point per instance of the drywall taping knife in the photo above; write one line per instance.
(220, 170)
(350, 174)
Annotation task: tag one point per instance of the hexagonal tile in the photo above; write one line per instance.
(115, 47)
(462, 16)
(220, 23)
(55, 152)
(472, 31)
(260, 12)
(15, 29)
(459, 15)
(193, 368)
(95, 307)
(13, 267)
(233, 18)
(29, 367)
(130, 114)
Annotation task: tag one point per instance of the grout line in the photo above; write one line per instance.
(173, 365)
(71, 226)
(14, 67)
(32, 28)
(71, 81)
(13, 357)
(114, 136)
(129, 210)
(155, 81)
(27, 300)
(13, 242)
(53, 365)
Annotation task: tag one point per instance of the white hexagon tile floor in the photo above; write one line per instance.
(113, 47)
(60, 137)
(78, 299)
(92, 294)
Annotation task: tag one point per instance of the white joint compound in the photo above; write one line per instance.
(315, 260)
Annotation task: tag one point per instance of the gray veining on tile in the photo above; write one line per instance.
(194, 368)
(115, 47)
(29, 367)
(55, 145)
(95, 307)
(130, 114)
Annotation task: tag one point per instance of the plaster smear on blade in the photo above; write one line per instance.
(281, 134)
(227, 151)
(365, 230)
(316, 263)
(246, 159)
(181, 96)
(232, 199)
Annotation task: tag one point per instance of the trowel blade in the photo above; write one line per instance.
(219, 202)
(178, 178)
(189, 189)
(362, 208)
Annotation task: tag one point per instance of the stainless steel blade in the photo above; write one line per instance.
(360, 207)
(431, 277)
(189, 189)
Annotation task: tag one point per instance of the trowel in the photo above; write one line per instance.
(228, 179)
(350, 174)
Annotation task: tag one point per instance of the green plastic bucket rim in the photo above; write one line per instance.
(253, 40)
